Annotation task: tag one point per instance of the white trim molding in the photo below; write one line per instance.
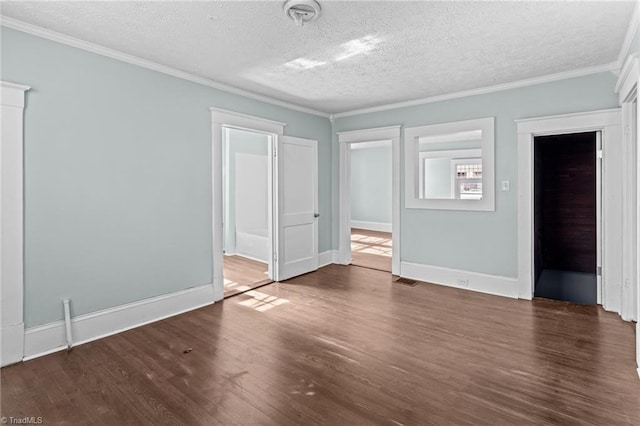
(345, 139)
(632, 30)
(372, 226)
(627, 88)
(413, 139)
(612, 66)
(608, 122)
(221, 118)
(467, 280)
(12, 98)
(144, 63)
(327, 258)
(49, 338)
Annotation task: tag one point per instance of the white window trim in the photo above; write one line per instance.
(12, 223)
(345, 139)
(411, 152)
(221, 118)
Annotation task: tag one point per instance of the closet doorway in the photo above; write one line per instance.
(566, 217)
(247, 210)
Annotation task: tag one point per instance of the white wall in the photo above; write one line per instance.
(237, 143)
(251, 206)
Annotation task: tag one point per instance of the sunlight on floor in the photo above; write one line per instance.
(371, 245)
(261, 301)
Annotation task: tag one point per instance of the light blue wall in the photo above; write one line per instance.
(480, 241)
(239, 141)
(118, 176)
(371, 184)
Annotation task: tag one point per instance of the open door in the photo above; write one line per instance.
(297, 198)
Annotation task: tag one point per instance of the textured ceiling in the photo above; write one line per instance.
(357, 54)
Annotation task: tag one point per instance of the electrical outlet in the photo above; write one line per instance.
(463, 283)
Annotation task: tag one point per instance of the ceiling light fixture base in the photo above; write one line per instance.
(302, 11)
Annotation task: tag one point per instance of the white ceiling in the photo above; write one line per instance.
(361, 54)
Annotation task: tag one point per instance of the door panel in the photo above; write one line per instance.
(298, 202)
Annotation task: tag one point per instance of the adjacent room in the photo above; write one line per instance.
(247, 210)
(371, 201)
(320, 212)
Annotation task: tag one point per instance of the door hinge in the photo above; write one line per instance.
(599, 271)
(599, 154)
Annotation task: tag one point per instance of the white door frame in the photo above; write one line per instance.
(608, 122)
(221, 118)
(391, 133)
(627, 88)
(271, 141)
(12, 223)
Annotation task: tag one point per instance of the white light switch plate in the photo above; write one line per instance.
(506, 185)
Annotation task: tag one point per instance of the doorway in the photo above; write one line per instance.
(371, 204)
(247, 210)
(369, 235)
(566, 217)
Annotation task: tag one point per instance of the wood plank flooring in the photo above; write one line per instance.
(345, 346)
(371, 249)
(242, 274)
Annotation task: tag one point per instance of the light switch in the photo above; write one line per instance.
(506, 186)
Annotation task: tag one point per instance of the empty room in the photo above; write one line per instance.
(320, 212)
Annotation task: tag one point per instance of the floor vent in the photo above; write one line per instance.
(406, 281)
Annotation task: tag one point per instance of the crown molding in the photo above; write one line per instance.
(375, 129)
(628, 66)
(10, 85)
(612, 66)
(226, 113)
(634, 25)
(134, 60)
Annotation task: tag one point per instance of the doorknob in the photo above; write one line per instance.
(316, 215)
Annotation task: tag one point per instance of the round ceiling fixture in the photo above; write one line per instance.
(301, 11)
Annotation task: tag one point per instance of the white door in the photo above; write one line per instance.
(297, 197)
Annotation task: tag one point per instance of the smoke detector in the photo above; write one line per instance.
(301, 11)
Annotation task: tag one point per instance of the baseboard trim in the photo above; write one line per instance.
(49, 338)
(327, 258)
(11, 344)
(483, 283)
(371, 226)
(239, 253)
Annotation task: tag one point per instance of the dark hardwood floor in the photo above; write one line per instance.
(371, 249)
(345, 346)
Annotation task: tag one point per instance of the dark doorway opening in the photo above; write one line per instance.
(565, 217)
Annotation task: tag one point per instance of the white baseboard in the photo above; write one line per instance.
(11, 344)
(483, 283)
(327, 258)
(371, 226)
(49, 338)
